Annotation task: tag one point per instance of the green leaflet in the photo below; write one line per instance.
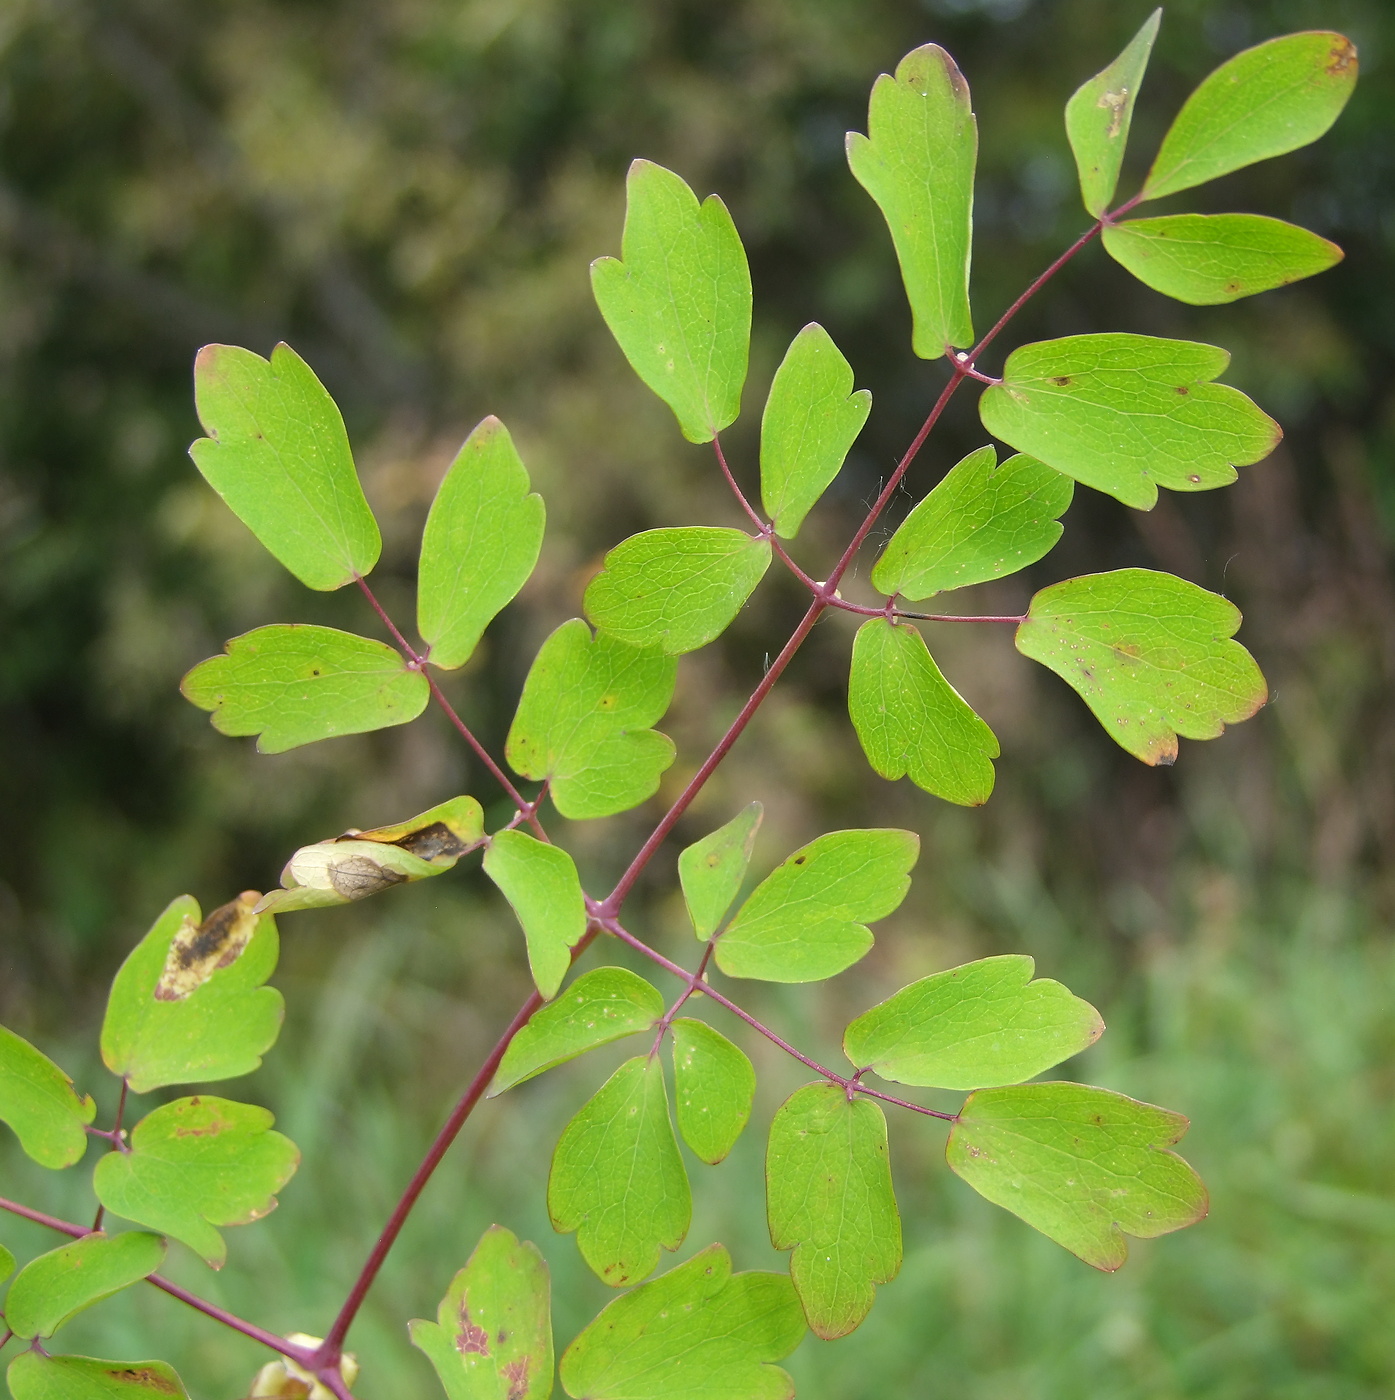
(617, 1177)
(983, 521)
(698, 1332)
(480, 545)
(1099, 114)
(711, 870)
(984, 1024)
(492, 1338)
(196, 1163)
(1084, 1166)
(807, 919)
(830, 1199)
(713, 1087)
(811, 420)
(541, 883)
(1127, 414)
(676, 589)
(602, 1006)
(188, 1005)
(362, 863)
(277, 453)
(7, 1263)
(1149, 654)
(917, 162)
(1270, 99)
(55, 1287)
(582, 722)
(34, 1376)
(293, 684)
(39, 1102)
(1206, 259)
(910, 720)
(679, 304)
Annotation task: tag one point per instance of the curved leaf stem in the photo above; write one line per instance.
(763, 526)
(5, 1340)
(115, 1138)
(851, 1083)
(694, 978)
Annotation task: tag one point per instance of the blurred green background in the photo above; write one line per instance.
(410, 191)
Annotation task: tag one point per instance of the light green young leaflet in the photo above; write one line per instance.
(917, 162)
(714, 1085)
(293, 684)
(983, 1024)
(698, 1332)
(480, 545)
(812, 418)
(1127, 414)
(711, 870)
(492, 1338)
(195, 1164)
(7, 1263)
(188, 1005)
(676, 589)
(808, 918)
(830, 1199)
(1150, 654)
(541, 883)
(910, 720)
(1099, 114)
(1084, 1166)
(40, 1104)
(583, 722)
(679, 304)
(1270, 99)
(603, 1006)
(58, 1285)
(34, 1376)
(362, 863)
(982, 521)
(277, 453)
(1207, 259)
(617, 1177)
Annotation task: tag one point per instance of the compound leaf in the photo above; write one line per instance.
(602, 1006)
(984, 1024)
(480, 545)
(910, 720)
(811, 420)
(362, 863)
(1150, 654)
(492, 1338)
(1207, 259)
(617, 1177)
(293, 684)
(541, 883)
(676, 589)
(188, 1005)
(983, 521)
(711, 870)
(1128, 413)
(39, 1102)
(917, 163)
(194, 1164)
(679, 304)
(277, 453)
(808, 918)
(1099, 114)
(1270, 99)
(830, 1199)
(698, 1332)
(713, 1087)
(35, 1376)
(1084, 1166)
(58, 1285)
(582, 722)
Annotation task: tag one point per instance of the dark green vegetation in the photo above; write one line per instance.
(1115, 878)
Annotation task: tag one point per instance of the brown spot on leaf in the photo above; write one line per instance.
(1060, 380)
(431, 842)
(1183, 389)
(470, 1339)
(1234, 286)
(799, 860)
(1342, 57)
(358, 877)
(147, 1376)
(197, 951)
(1115, 102)
(516, 1374)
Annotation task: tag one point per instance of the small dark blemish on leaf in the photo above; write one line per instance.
(799, 860)
(1341, 58)
(358, 877)
(470, 1339)
(1195, 478)
(1061, 380)
(431, 842)
(197, 951)
(1234, 286)
(516, 1374)
(1183, 389)
(147, 1376)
